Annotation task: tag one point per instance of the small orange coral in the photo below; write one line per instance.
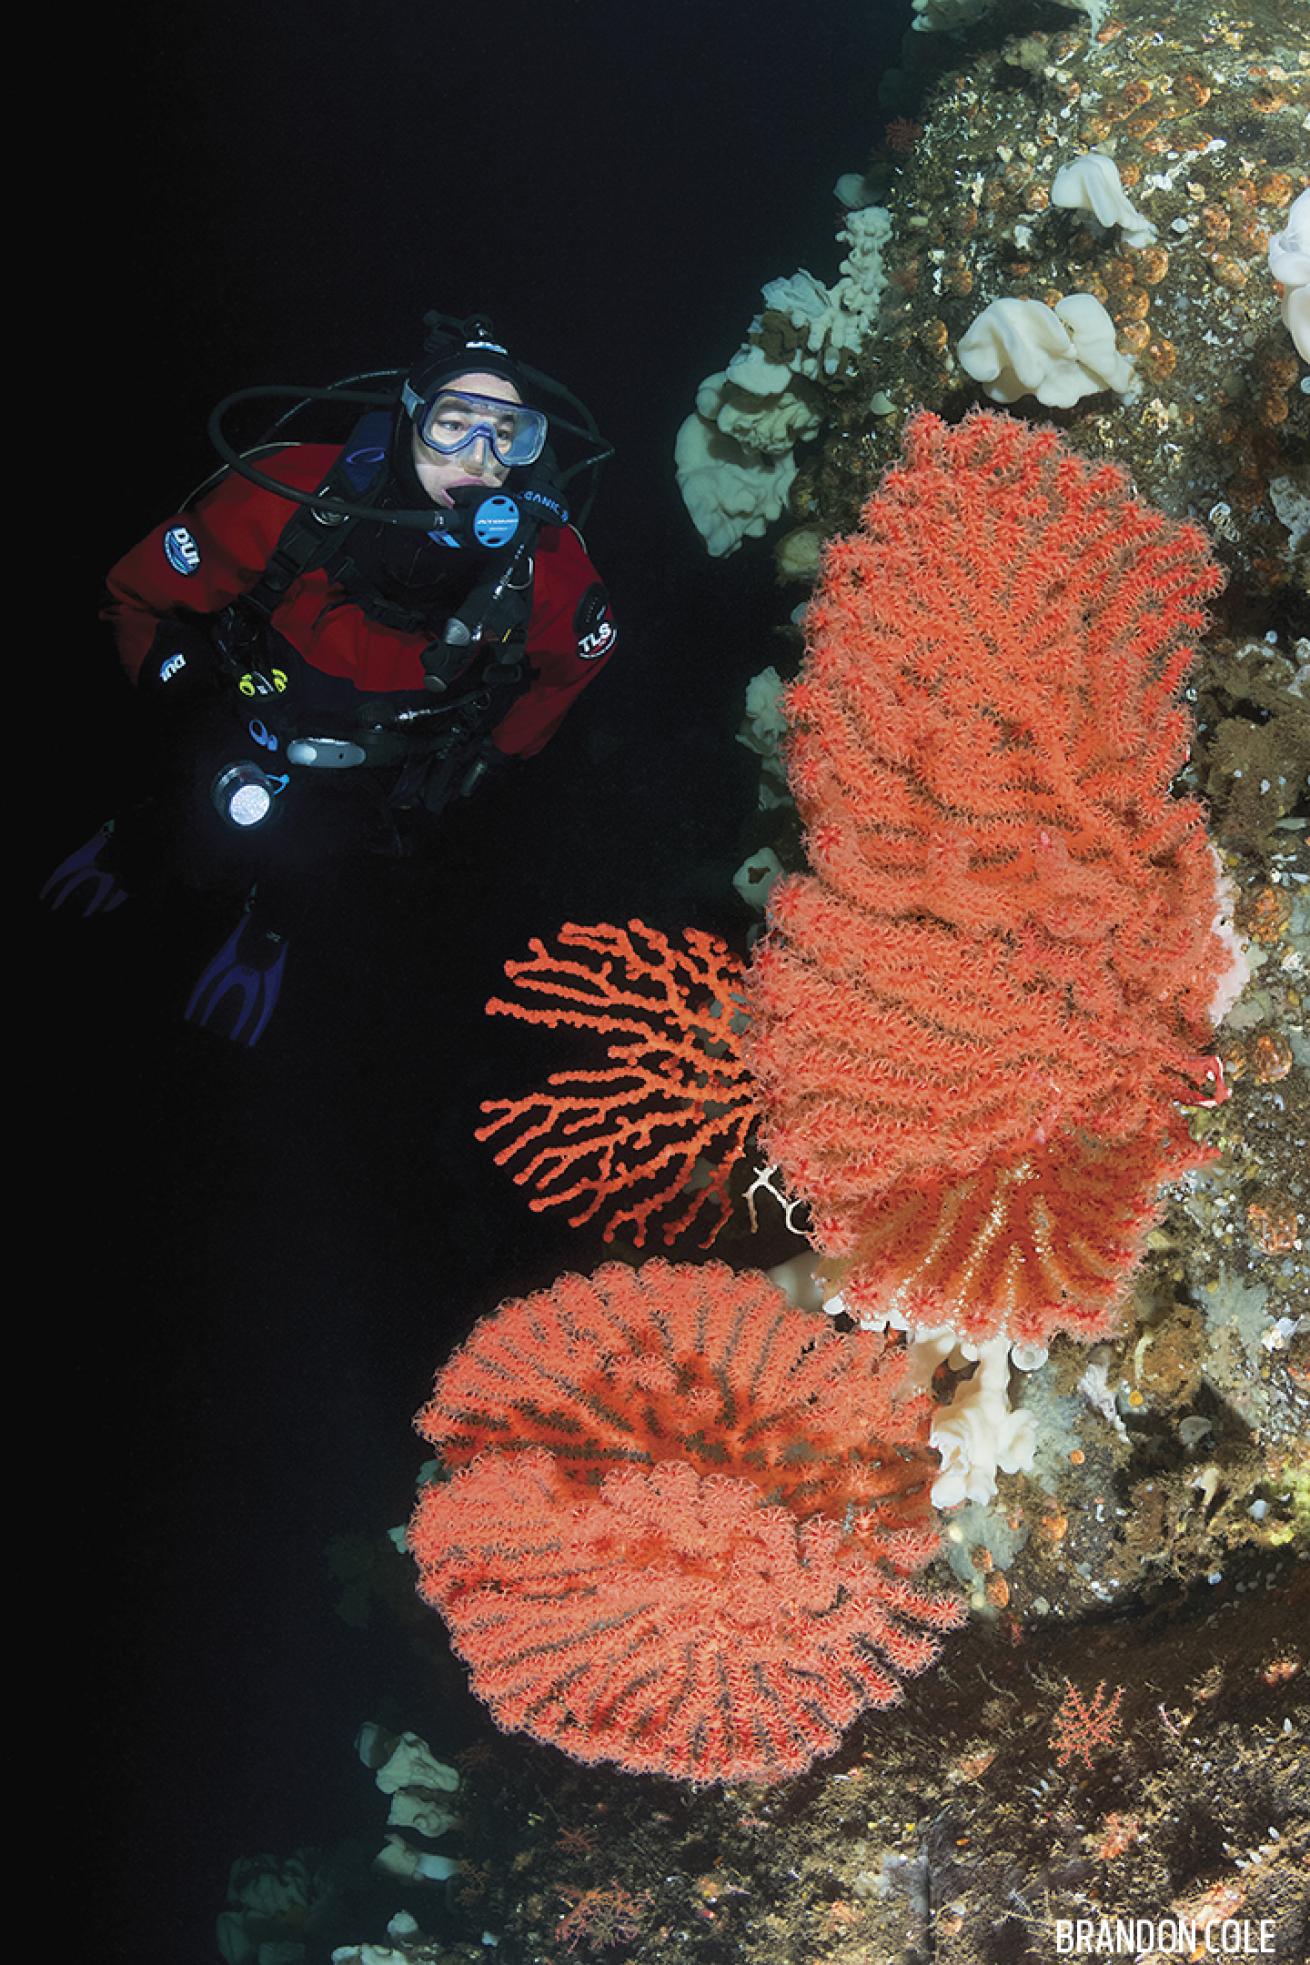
(601, 1919)
(1083, 1724)
(901, 134)
(658, 1128)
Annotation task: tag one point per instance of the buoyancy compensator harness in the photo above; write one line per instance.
(463, 573)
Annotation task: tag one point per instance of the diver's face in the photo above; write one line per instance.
(478, 464)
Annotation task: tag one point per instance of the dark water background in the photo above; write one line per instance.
(258, 1260)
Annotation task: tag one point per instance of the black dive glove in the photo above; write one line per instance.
(196, 720)
(182, 669)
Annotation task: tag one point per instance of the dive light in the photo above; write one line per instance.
(243, 794)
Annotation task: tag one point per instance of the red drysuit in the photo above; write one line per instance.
(197, 563)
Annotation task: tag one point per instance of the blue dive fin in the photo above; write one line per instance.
(237, 994)
(81, 875)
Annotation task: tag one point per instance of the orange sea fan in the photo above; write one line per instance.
(643, 1553)
(657, 1128)
(972, 1022)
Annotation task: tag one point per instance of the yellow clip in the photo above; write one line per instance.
(279, 679)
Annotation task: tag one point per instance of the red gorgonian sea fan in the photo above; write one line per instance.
(682, 1522)
(972, 1024)
(657, 1128)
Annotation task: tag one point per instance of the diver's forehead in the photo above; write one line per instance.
(477, 383)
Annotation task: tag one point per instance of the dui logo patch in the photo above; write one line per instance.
(182, 550)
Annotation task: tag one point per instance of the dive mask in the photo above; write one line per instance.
(453, 420)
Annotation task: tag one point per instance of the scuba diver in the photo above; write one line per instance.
(334, 643)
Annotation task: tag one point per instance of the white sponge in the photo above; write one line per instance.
(1091, 183)
(1289, 262)
(1025, 348)
(731, 493)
